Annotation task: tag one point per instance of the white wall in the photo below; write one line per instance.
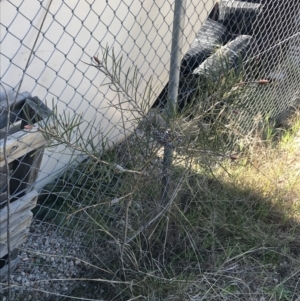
(73, 32)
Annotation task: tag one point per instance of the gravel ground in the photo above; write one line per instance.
(48, 255)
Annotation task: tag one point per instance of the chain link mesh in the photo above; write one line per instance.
(94, 205)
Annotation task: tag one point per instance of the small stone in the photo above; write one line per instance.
(25, 258)
(23, 273)
(19, 278)
(52, 259)
(77, 261)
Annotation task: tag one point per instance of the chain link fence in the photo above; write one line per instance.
(92, 97)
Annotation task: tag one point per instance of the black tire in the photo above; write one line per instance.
(211, 34)
(226, 58)
(238, 16)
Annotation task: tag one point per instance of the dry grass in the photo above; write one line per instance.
(230, 235)
(255, 219)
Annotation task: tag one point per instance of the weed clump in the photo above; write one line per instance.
(229, 229)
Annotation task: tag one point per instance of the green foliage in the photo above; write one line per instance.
(217, 231)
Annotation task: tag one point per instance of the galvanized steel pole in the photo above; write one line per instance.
(177, 39)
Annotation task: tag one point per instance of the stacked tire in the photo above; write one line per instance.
(246, 30)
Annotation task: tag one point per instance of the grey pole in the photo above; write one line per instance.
(177, 40)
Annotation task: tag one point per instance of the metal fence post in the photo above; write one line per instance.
(177, 39)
